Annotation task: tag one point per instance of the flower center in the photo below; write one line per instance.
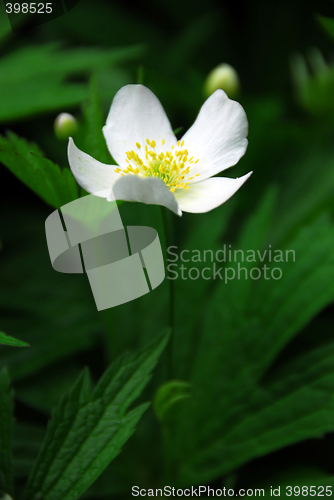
(170, 166)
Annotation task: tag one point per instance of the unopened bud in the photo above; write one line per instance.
(65, 126)
(222, 77)
(167, 396)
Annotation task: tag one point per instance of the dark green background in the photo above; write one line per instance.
(291, 149)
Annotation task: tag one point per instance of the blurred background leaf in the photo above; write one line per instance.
(7, 340)
(35, 79)
(6, 432)
(55, 186)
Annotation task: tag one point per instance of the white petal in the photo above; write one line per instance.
(209, 194)
(149, 190)
(218, 136)
(89, 173)
(136, 114)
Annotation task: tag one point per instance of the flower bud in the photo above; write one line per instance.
(65, 126)
(222, 77)
(167, 396)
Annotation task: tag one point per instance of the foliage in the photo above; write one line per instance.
(7, 340)
(6, 430)
(250, 399)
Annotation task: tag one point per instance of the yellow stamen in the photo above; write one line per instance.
(170, 166)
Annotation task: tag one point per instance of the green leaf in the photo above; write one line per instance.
(6, 431)
(47, 308)
(328, 25)
(306, 287)
(227, 306)
(255, 327)
(88, 430)
(7, 340)
(254, 236)
(43, 73)
(188, 324)
(309, 195)
(55, 186)
(5, 28)
(297, 404)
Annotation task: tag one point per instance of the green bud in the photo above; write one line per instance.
(6, 497)
(65, 126)
(222, 77)
(167, 396)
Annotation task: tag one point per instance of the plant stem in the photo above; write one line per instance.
(168, 240)
(110, 335)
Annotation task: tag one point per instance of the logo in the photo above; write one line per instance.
(121, 263)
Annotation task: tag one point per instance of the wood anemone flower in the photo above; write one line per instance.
(153, 167)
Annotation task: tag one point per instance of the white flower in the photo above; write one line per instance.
(153, 167)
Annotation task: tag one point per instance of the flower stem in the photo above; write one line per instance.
(112, 347)
(168, 240)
